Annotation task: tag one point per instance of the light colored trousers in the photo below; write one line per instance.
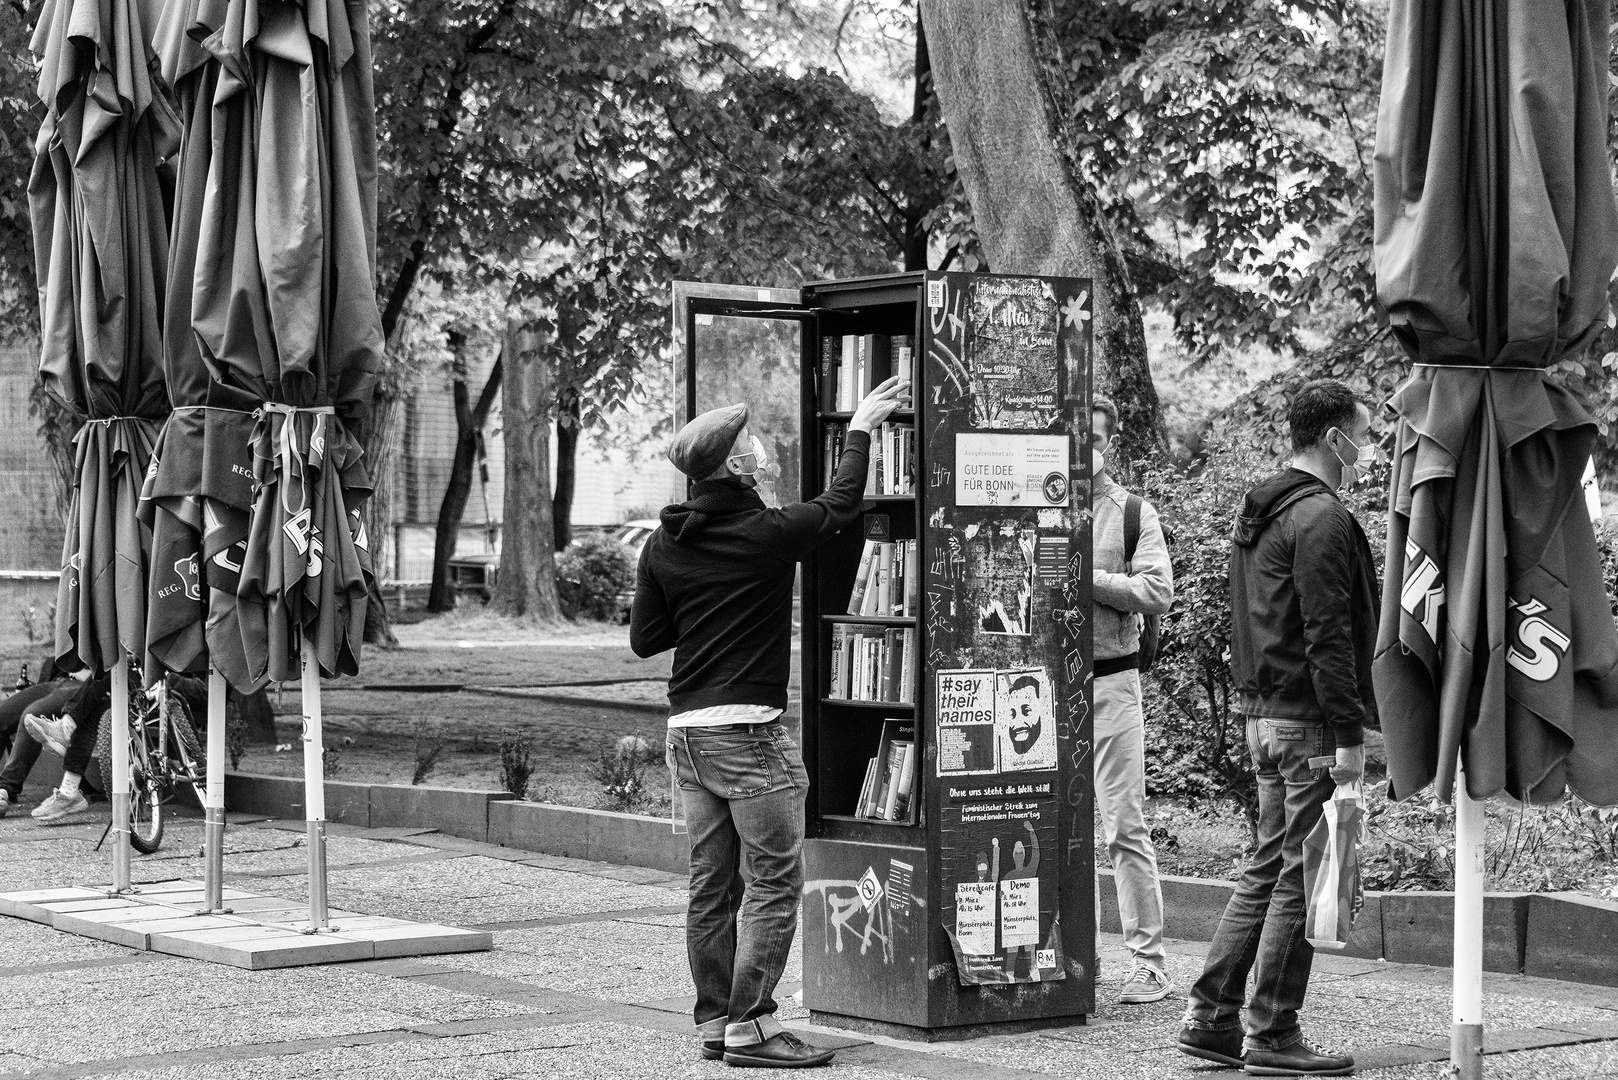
(1120, 754)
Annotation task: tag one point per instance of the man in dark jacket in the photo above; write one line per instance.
(715, 585)
(1303, 600)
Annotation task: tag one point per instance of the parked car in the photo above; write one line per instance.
(634, 534)
(474, 574)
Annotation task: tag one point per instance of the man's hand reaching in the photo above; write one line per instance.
(879, 404)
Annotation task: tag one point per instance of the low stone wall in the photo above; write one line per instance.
(1555, 935)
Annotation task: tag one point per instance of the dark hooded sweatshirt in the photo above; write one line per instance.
(1303, 607)
(715, 585)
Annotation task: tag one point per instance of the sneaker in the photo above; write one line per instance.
(60, 806)
(782, 1051)
(1299, 1059)
(1224, 1047)
(1145, 985)
(713, 1049)
(52, 731)
(6, 802)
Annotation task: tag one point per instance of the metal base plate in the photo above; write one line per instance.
(261, 932)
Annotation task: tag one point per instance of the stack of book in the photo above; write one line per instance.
(853, 364)
(873, 663)
(890, 777)
(888, 580)
(892, 469)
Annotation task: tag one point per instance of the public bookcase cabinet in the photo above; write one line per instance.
(949, 883)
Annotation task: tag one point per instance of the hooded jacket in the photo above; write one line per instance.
(1303, 606)
(715, 585)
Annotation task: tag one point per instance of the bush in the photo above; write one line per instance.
(1196, 746)
(620, 769)
(516, 762)
(591, 575)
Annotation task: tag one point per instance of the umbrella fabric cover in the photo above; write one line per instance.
(97, 197)
(284, 310)
(198, 494)
(1496, 235)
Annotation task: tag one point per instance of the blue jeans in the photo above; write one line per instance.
(1262, 930)
(743, 786)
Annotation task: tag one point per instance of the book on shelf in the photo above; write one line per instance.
(872, 663)
(890, 463)
(852, 365)
(886, 580)
(890, 776)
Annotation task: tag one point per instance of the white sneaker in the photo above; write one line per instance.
(5, 802)
(60, 806)
(53, 731)
(1145, 985)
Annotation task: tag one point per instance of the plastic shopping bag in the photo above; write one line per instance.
(1331, 869)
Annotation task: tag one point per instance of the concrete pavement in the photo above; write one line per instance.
(587, 979)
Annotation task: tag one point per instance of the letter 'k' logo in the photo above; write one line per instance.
(186, 570)
(1542, 645)
(1422, 596)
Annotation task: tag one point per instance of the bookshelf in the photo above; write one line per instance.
(980, 861)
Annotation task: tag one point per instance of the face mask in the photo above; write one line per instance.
(1098, 463)
(1364, 459)
(760, 463)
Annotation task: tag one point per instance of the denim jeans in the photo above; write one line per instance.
(1262, 930)
(40, 699)
(743, 786)
(1120, 779)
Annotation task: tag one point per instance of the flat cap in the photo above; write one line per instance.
(703, 444)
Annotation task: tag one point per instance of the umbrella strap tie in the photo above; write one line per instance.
(283, 447)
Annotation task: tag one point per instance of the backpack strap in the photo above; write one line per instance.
(1132, 504)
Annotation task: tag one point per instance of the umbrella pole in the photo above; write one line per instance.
(314, 786)
(213, 813)
(118, 783)
(1466, 1036)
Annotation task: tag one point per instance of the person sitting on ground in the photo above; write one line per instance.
(70, 733)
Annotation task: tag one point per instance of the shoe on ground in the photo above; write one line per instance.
(6, 802)
(1225, 1047)
(53, 731)
(59, 807)
(782, 1051)
(713, 1051)
(1299, 1059)
(1145, 985)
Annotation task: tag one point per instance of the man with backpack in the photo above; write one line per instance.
(1133, 584)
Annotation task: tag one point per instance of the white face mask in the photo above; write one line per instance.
(760, 463)
(1365, 459)
(1098, 463)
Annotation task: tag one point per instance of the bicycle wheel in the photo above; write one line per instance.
(145, 803)
(185, 748)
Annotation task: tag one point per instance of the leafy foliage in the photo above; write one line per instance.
(591, 575)
(516, 761)
(620, 769)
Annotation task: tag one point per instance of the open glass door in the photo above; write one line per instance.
(739, 343)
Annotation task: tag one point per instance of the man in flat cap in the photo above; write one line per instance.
(715, 585)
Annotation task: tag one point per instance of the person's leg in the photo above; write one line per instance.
(82, 746)
(1216, 998)
(1120, 785)
(25, 750)
(14, 705)
(1281, 971)
(770, 824)
(715, 892)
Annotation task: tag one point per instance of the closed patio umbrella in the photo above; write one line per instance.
(97, 198)
(284, 310)
(198, 491)
(1496, 235)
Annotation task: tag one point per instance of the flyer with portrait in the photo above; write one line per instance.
(1025, 724)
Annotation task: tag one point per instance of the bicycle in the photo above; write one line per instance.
(164, 751)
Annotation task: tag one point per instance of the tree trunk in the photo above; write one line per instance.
(527, 583)
(469, 421)
(567, 454)
(991, 71)
(379, 438)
